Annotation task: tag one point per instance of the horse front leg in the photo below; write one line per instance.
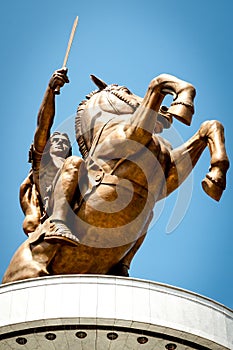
(185, 157)
(215, 181)
(144, 121)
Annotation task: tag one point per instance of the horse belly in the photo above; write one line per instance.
(86, 259)
(109, 219)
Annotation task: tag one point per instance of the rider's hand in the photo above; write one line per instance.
(59, 78)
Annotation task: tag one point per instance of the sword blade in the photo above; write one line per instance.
(70, 41)
(57, 90)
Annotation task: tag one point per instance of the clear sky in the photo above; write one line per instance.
(129, 43)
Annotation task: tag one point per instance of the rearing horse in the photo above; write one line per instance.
(105, 200)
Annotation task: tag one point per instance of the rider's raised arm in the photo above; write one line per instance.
(47, 112)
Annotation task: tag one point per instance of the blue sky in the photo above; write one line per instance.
(129, 43)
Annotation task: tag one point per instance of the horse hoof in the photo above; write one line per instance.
(212, 189)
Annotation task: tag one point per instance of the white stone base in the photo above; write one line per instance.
(104, 312)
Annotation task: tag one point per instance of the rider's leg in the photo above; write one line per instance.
(67, 190)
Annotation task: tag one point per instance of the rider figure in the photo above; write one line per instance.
(49, 189)
(52, 187)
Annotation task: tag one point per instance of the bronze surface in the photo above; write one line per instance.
(91, 214)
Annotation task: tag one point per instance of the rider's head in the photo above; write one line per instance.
(60, 145)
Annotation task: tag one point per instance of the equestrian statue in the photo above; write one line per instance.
(90, 214)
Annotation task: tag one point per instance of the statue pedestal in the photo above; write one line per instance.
(104, 312)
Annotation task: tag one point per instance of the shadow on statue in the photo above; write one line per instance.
(90, 214)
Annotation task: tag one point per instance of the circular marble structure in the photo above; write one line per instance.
(105, 312)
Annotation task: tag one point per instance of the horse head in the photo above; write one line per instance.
(102, 105)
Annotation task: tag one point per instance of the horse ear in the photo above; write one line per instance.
(98, 82)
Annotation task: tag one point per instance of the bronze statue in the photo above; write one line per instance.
(91, 214)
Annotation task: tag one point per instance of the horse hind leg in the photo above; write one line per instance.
(215, 181)
(30, 261)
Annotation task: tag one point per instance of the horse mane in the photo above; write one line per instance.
(83, 148)
(120, 92)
